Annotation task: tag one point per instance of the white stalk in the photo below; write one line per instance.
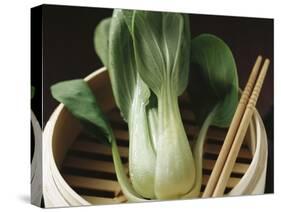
(175, 169)
(141, 152)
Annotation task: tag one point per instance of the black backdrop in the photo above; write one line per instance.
(68, 52)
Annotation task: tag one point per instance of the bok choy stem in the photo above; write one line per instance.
(161, 46)
(141, 150)
(175, 170)
(123, 180)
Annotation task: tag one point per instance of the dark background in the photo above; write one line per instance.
(68, 52)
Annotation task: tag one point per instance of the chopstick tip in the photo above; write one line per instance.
(259, 57)
(267, 60)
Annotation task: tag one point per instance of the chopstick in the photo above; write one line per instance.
(241, 132)
(237, 130)
(212, 182)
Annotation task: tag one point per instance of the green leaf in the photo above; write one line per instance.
(122, 67)
(213, 65)
(129, 19)
(101, 40)
(77, 97)
(162, 45)
(115, 42)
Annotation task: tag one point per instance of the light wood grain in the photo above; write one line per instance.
(94, 147)
(103, 200)
(91, 165)
(88, 175)
(241, 132)
(89, 146)
(232, 130)
(215, 149)
(239, 168)
(93, 183)
(232, 181)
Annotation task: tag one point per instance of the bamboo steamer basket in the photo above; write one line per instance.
(36, 162)
(79, 171)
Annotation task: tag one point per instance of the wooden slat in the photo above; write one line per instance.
(239, 168)
(93, 183)
(213, 132)
(121, 134)
(98, 200)
(215, 149)
(104, 200)
(91, 165)
(94, 147)
(232, 182)
(121, 198)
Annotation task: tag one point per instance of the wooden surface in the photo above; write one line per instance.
(88, 167)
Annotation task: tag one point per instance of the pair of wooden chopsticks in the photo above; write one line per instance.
(237, 130)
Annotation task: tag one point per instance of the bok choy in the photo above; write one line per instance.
(157, 64)
(162, 48)
(151, 61)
